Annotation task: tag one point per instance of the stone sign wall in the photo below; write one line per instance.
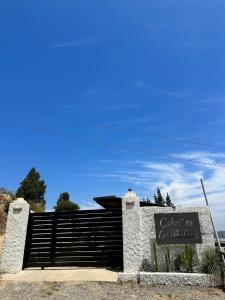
(198, 232)
(160, 228)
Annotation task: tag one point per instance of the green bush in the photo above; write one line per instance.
(66, 206)
(212, 263)
(187, 258)
(36, 207)
(64, 203)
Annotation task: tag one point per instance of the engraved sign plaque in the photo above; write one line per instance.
(177, 228)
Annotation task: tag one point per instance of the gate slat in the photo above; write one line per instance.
(77, 253)
(103, 264)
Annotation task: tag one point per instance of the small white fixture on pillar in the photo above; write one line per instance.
(131, 232)
(15, 236)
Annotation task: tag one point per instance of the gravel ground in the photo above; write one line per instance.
(101, 290)
(106, 291)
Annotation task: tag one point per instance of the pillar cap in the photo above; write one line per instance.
(130, 193)
(19, 200)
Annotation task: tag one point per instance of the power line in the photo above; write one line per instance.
(188, 142)
(156, 136)
(108, 145)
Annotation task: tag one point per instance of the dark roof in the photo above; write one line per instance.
(116, 202)
(109, 201)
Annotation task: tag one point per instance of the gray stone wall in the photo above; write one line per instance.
(148, 235)
(139, 235)
(15, 236)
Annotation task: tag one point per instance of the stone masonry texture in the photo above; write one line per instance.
(131, 232)
(15, 236)
(148, 234)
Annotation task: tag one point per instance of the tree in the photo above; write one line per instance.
(32, 189)
(168, 201)
(159, 198)
(64, 203)
(147, 200)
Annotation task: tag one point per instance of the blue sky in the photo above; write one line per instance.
(85, 85)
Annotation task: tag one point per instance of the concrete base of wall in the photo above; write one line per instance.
(179, 279)
(126, 277)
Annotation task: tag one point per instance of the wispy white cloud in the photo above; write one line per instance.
(93, 106)
(203, 155)
(107, 161)
(86, 204)
(214, 99)
(157, 92)
(89, 41)
(141, 85)
(143, 120)
(176, 94)
(71, 106)
(199, 111)
(120, 106)
(195, 43)
(212, 123)
(181, 180)
(91, 92)
(26, 82)
(185, 138)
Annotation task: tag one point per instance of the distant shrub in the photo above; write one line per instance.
(36, 207)
(65, 204)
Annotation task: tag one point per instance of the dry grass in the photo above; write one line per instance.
(5, 200)
(1, 248)
(1, 243)
(3, 219)
(48, 288)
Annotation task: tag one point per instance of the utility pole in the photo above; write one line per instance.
(215, 232)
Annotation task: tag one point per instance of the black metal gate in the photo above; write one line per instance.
(84, 238)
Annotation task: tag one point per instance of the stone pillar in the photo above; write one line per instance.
(131, 232)
(15, 236)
